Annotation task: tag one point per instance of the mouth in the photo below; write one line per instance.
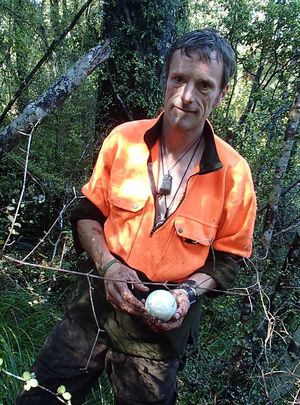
(185, 110)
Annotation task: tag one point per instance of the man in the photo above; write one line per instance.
(169, 205)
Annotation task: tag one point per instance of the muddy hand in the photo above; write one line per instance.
(183, 305)
(118, 293)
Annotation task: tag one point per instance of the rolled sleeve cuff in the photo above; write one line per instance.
(85, 209)
(223, 268)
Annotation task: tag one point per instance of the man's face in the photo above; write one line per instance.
(193, 89)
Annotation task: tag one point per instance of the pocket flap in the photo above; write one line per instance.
(125, 202)
(194, 231)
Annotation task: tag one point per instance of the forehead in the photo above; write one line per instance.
(192, 64)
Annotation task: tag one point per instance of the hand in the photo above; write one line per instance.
(183, 305)
(116, 280)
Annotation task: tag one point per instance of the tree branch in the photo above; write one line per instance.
(283, 192)
(40, 63)
(56, 94)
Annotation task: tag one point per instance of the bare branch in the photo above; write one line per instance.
(287, 229)
(12, 227)
(95, 276)
(40, 63)
(56, 94)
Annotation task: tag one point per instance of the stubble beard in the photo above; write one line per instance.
(183, 121)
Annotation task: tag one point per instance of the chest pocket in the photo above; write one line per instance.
(195, 232)
(126, 202)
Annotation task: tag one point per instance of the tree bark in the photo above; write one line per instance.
(286, 295)
(272, 206)
(132, 86)
(56, 94)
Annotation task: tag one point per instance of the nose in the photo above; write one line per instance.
(187, 95)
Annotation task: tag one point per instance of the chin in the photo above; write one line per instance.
(184, 124)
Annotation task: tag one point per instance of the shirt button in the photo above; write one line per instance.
(135, 206)
(180, 230)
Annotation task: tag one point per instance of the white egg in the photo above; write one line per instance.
(161, 304)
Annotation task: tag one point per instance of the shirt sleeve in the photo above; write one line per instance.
(96, 190)
(233, 241)
(85, 209)
(236, 225)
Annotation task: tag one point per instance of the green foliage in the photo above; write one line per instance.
(23, 328)
(61, 391)
(237, 361)
(24, 324)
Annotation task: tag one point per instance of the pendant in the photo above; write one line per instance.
(166, 185)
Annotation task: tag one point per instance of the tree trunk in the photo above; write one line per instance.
(289, 365)
(44, 105)
(272, 206)
(132, 86)
(254, 89)
(21, 55)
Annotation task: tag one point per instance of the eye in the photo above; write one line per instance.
(204, 87)
(178, 79)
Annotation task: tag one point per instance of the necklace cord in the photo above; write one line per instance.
(166, 183)
(163, 153)
(181, 181)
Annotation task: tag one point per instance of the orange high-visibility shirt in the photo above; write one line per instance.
(218, 210)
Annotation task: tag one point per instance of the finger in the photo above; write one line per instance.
(129, 299)
(181, 311)
(183, 304)
(120, 295)
(158, 326)
(138, 284)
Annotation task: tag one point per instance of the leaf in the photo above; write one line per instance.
(67, 396)
(33, 382)
(11, 218)
(1, 362)
(27, 386)
(61, 389)
(26, 375)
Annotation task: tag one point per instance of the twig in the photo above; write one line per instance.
(118, 97)
(50, 229)
(97, 324)
(55, 245)
(287, 229)
(23, 186)
(62, 254)
(268, 316)
(95, 276)
(38, 386)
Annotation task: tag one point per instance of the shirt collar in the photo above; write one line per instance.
(210, 160)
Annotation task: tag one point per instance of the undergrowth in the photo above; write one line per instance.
(24, 325)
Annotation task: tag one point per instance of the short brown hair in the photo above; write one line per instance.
(204, 42)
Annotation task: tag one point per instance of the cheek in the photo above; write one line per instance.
(209, 101)
(172, 93)
(168, 96)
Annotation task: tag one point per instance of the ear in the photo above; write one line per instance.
(221, 96)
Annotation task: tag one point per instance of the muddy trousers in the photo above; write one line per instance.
(72, 358)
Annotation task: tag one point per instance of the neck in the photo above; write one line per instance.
(176, 140)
